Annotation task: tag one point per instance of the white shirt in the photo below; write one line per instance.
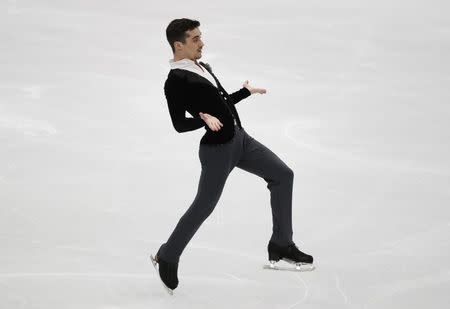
(190, 65)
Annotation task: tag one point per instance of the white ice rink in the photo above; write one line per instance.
(93, 177)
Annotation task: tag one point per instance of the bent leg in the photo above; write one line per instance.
(261, 161)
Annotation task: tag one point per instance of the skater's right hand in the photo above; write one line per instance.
(212, 122)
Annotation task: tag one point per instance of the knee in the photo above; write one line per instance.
(285, 176)
(205, 205)
(207, 210)
(196, 214)
(288, 173)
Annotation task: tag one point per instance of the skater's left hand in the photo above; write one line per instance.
(253, 89)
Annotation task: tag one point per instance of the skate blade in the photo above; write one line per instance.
(295, 266)
(154, 262)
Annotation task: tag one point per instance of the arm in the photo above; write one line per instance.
(239, 95)
(235, 96)
(245, 91)
(174, 91)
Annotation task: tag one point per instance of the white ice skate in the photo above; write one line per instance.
(289, 265)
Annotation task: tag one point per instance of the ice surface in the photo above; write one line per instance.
(93, 177)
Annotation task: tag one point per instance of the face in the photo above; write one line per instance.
(192, 48)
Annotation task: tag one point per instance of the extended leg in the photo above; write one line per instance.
(210, 187)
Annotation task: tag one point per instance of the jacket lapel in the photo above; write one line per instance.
(201, 79)
(198, 78)
(208, 68)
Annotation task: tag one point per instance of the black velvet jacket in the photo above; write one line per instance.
(191, 92)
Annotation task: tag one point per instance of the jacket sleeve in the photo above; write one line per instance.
(174, 91)
(237, 96)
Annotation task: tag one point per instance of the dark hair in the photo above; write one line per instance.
(176, 30)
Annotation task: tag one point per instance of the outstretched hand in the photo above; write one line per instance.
(253, 89)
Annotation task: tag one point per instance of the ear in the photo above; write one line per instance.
(177, 45)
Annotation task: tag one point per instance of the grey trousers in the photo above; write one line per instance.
(217, 162)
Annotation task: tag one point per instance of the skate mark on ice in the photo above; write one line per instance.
(404, 285)
(338, 287)
(76, 275)
(414, 236)
(390, 247)
(211, 303)
(260, 282)
(305, 295)
(12, 7)
(228, 252)
(101, 251)
(233, 276)
(33, 91)
(347, 155)
(27, 126)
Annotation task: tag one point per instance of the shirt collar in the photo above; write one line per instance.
(182, 63)
(190, 65)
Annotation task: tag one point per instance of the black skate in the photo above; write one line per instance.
(167, 273)
(290, 254)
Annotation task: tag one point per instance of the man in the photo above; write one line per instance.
(192, 86)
